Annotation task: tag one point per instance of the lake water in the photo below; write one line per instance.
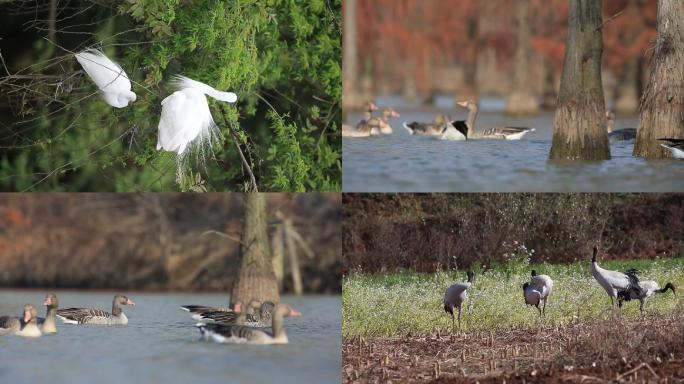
(161, 345)
(404, 163)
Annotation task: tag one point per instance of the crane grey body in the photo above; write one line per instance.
(537, 290)
(614, 281)
(454, 297)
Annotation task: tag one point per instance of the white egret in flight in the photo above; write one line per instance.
(185, 115)
(108, 76)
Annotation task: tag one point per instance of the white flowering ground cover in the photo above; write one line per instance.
(411, 303)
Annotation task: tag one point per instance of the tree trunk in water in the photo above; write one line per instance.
(256, 279)
(521, 100)
(350, 65)
(579, 130)
(662, 104)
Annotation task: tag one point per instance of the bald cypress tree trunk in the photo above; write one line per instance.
(662, 104)
(579, 130)
(256, 279)
(521, 100)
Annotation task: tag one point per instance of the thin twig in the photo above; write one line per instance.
(608, 20)
(242, 156)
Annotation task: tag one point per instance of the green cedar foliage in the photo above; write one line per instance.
(282, 58)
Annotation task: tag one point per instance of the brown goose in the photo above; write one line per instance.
(197, 310)
(435, 128)
(500, 133)
(387, 114)
(262, 318)
(242, 334)
(97, 316)
(368, 126)
(48, 324)
(26, 326)
(614, 136)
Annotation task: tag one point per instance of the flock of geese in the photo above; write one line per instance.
(445, 128)
(620, 286)
(224, 325)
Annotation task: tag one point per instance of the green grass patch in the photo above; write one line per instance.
(408, 302)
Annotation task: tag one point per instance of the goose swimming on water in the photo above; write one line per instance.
(26, 326)
(614, 136)
(500, 133)
(675, 146)
(97, 316)
(242, 334)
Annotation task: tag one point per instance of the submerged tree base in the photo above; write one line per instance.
(579, 132)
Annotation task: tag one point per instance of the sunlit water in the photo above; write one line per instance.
(161, 345)
(404, 163)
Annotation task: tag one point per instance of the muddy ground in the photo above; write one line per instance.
(650, 349)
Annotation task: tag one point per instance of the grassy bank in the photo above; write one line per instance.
(411, 303)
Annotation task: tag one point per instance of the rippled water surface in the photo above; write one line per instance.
(161, 345)
(404, 163)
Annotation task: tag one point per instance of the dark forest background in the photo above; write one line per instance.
(157, 241)
(389, 232)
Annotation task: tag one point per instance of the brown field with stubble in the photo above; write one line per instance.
(650, 349)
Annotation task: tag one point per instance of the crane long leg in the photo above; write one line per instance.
(453, 321)
(459, 317)
(544, 309)
(539, 309)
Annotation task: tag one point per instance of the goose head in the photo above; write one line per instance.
(593, 255)
(371, 107)
(123, 300)
(389, 113)
(469, 105)
(51, 301)
(471, 276)
(670, 286)
(30, 314)
(534, 273)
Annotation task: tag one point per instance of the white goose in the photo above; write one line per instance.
(501, 133)
(108, 76)
(25, 327)
(538, 290)
(97, 316)
(242, 334)
(613, 281)
(675, 146)
(454, 297)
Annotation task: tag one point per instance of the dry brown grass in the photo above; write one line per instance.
(647, 350)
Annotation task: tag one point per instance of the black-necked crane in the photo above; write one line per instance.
(537, 290)
(648, 289)
(614, 281)
(454, 297)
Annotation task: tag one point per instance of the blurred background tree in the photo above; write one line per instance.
(421, 48)
(282, 58)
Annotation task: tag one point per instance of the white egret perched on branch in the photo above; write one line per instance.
(108, 76)
(185, 115)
